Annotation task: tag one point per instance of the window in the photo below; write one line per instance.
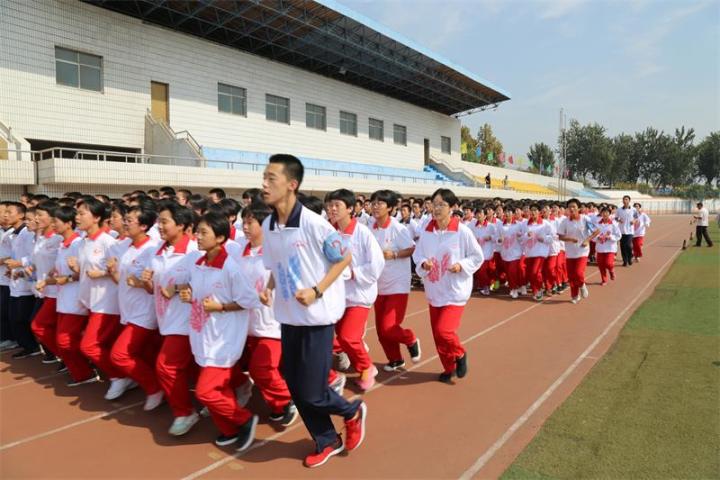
(445, 144)
(315, 116)
(375, 129)
(348, 123)
(77, 69)
(232, 99)
(277, 109)
(400, 134)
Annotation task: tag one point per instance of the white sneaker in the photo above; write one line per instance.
(584, 291)
(339, 384)
(485, 291)
(342, 362)
(182, 425)
(8, 345)
(153, 401)
(575, 300)
(244, 392)
(523, 290)
(118, 386)
(514, 293)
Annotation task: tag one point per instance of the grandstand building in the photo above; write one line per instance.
(104, 96)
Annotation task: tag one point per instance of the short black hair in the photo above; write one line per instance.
(387, 196)
(292, 166)
(97, 208)
(604, 208)
(20, 207)
(312, 202)
(198, 202)
(257, 210)
(167, 191)
(218, 223)
(185, 192)
(181, 215)
(253, 194)
(103, 198)
(66, 215)
(153, 193)
(119, 207)
(447, 195)
(230, 207)
(573, 200)
(637, 204)
(344, 195)
(74, 195)
(145, 217)
(218, 192)
(626, 196)
(48, 206)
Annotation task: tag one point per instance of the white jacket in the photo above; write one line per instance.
(606, 241)
(538, 239)
(361, 289)
(511, 237)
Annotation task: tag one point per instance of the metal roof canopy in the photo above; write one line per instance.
(323, 37)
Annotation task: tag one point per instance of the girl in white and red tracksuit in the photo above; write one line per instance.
(561, 271)
(263, 349)
(576, 231)
(511, 236)
(361, 289)
(606, 245)
(447, 256)
(218, 330)
(538, 240)
(170, 269)
(497, 220)
(394, 282)
(550, 266)
(135, 350)
(641, 224)
(485, 233)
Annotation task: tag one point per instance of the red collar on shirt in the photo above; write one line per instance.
(49, 233)
(180, 247)
(387, 224)
(531, 221)
(505, 222)
(350, 229)
(552, 217)
(453, 225)
(95, 235)
(141, 243)
(248, 248)
(483, 224)
(570, 217)
(607, 222)
(217, 262)
(66, 243)
(233, 232)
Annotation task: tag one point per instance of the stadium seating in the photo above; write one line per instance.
(525, 187)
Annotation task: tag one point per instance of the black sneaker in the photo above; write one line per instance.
(224, 440)
(394, 366)
(61, 368)
(246, 435)
(461, 366)
(445, 377)
(50, 358)
(287, 417)
(415, 352)
(26, 353)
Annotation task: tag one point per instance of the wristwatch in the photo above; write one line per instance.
(318, 293)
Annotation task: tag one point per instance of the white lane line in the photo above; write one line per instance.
(488, 455)
(230, 458)
(68, 426)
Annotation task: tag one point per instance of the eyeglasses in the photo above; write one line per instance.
(378, 203)
(440, 205)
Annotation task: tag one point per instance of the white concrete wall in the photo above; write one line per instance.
(135, 53)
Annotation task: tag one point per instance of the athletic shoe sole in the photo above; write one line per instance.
(251, 436)
(363, 417)
(93, 379)
(331, 454)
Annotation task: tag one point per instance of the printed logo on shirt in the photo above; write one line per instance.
(217, 286)
(508, 242)
(439, 269)
(198, 315)
(289, 277)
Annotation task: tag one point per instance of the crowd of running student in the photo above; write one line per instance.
(166, 290)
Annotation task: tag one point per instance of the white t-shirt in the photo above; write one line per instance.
(262, 322)
(299, 255)
(98, 295)
(456, 244)
(137, 306)
(704, 220)
(217, 339)
(580, 229)
(626, 218)
(43, 258)
(22, 243)
(5, 252)
(68, 295)
(395, 278)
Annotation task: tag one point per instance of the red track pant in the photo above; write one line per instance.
(445, 322)
(216, 390)
(100, 334)
(550, 272)
(637, 246)
(576, 274)
(135, 353)
(535, 273)
(562, 275)
(523, 270)
(486, 274)
(44, 324)
(350, 331)
(606, 263)
(68, 337)
(513, 270)
(389, 315)
(500, 271)
(175, 368)
(262, 358)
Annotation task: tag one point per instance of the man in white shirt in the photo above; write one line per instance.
(702, 221)
(626, 216)
(306, 256)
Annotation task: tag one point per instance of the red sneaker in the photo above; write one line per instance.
(355, 429)
(316, 459)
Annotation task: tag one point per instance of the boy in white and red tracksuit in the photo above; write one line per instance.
(550, 268)
(537, 248)
(485, 233)
(511, 236)
(576, 231)
(447, 256)
(606, 245)
(641, 224)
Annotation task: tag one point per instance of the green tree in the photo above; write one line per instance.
(587, 149)
(708, 158)
(542, 158)
(489, 144)
(623, 149)
(471, 142)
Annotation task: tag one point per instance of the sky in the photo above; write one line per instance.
(626, 65)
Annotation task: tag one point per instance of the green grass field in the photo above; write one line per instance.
(650, 409)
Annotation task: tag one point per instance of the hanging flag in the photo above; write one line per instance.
(491, 155)
(478, 151)
(510, 160)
